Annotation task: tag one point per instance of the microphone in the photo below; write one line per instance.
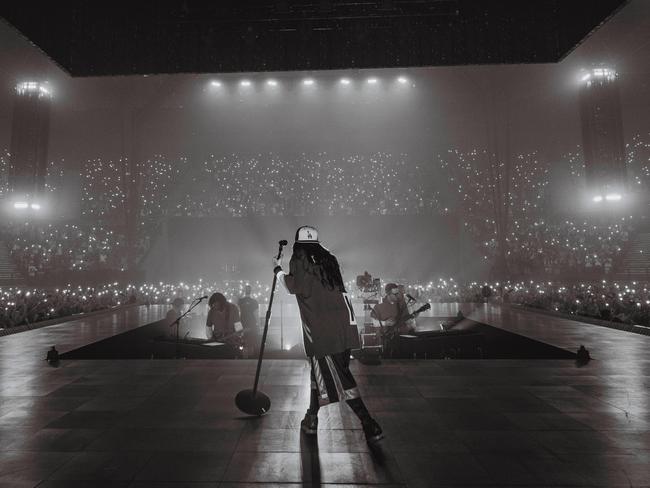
(282, 243)
(202, 298)
(411, 299)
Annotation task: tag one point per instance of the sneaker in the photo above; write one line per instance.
(309, 424)
(372, 430)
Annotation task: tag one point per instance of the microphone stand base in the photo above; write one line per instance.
(253, 403)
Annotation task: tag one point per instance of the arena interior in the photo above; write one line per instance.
(479, 170)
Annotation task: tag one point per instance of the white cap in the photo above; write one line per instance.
(306, 233)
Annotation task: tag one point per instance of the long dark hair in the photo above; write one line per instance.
(217, 298)
(321, 262)
(222, 304)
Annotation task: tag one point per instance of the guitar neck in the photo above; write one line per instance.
(424, 307)
(406, 318)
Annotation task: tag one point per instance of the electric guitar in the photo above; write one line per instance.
(393, 328)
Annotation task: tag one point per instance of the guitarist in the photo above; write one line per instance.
(393, 312)
(394, 316)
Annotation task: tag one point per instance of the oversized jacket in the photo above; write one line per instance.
(328, 321)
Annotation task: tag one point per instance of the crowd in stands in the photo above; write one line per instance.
(105, 189)
(163, 293)
(21, 305)
(320, 184)
(264, 185)
(605, 300)
(566, 249)
(462, 184)
(4, 173)
(611, 301)
(41, 248)
(535, 240)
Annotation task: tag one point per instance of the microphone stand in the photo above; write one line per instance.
(255, 402)
(178, 324)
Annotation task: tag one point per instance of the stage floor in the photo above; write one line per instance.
(173, 423)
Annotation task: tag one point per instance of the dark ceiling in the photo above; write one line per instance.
(93, 38)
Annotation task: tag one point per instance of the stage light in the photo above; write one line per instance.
(40, 89)
(308, 82)
(598, 74)
(344, 81)
(215, 83)
(271, 82)
(604, 73)
(402, 80)
(597, 198)
(245, 83)
(371, 81)
(613, 197)
(21, 205)
(35, 206)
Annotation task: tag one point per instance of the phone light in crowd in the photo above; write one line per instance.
(245, 83)
(344, 81)
(308, 82)
(271, 82)
(21, 205)
(613, 197)
(402, 80)
(372, 81)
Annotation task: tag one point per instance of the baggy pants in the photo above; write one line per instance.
(331, 378)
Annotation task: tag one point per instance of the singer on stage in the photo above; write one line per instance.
(329, 329)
